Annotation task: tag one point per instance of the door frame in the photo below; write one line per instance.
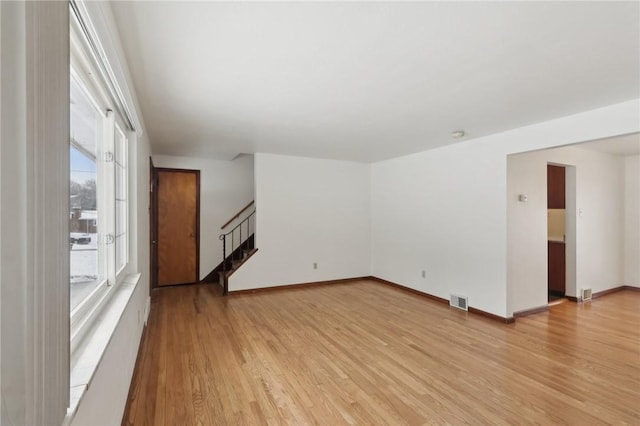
(571, 227)
(153, 220)
(154, 214)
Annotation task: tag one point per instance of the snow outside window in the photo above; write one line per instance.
(86, 271)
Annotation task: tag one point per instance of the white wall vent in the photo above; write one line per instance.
(585, 294)
(459, 302)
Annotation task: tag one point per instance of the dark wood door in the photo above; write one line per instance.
(556, 261)
(557, 267)
(555, 187)
(178, 211)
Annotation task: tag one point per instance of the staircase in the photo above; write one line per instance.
(238, 245)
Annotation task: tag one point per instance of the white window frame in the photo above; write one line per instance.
(82, 314)
(122, 270)
(83, 70)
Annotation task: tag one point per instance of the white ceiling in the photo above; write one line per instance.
(369, 81)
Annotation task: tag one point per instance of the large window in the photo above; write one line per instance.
(99, 190)
(84, 221)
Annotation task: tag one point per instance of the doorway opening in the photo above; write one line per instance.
(560, 232)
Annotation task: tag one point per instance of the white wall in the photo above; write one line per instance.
(105, 399)
(13, 223)
(308, 210)
(34, 290)
(599, 228)
(442, 211)
(445, 210)
(632, 221)
(225, 188)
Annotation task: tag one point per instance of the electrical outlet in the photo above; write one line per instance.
(424, 274)
(315, 265)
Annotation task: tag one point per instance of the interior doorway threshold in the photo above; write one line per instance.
(557, 301)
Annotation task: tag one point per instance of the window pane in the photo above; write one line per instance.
(84, 220)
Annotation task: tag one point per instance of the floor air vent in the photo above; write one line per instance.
(586, 294)
(459, 302)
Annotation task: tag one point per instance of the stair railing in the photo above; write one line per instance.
(237, 215)
(237, 232)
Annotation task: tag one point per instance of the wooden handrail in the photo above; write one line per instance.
(237, 215)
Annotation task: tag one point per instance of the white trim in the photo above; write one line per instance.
(122, 240)
(47, 192)
(84, 314)
(106, 176)
(99, 58)
(102, 25)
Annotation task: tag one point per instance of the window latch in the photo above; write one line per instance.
(108, 157)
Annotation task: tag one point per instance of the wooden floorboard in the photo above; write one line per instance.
(366, 353)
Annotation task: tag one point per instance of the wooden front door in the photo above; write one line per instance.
(178, 216)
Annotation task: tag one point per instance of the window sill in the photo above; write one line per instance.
(97, 340)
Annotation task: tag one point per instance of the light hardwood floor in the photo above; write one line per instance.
(367, 353)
